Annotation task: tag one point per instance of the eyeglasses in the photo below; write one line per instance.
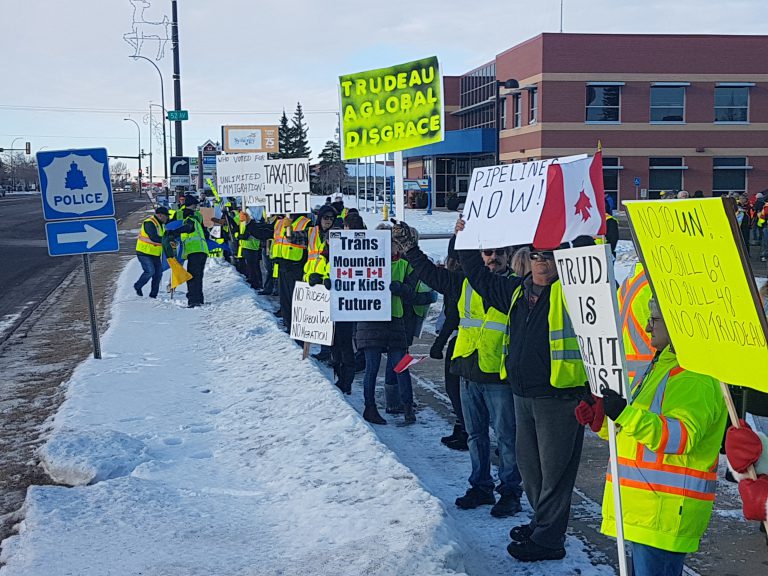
(542, 256)
(497, 251)
(652, 321)
(328, 217)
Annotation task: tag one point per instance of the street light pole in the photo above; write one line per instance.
(138, 129)
(13, 165)
(165, 114)
(176, 75)
(509, 84)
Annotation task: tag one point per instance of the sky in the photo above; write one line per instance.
(68, 80)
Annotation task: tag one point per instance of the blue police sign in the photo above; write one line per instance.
(637, 180)
(70, 237)
(75, 184)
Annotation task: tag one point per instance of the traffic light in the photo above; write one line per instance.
(28, 148)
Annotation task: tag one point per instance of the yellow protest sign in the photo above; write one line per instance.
(704, 287)
(391, 109)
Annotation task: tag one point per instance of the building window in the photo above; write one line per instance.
(477, 91)
(732, 104)
(665, 175)
(729, 174)
(533, 108)
(667, 103)
(611, 168)
(516, 112)
(503, 112)
(603, 103)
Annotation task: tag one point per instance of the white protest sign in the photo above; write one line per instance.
(311, 318)
(589, 287)
(504, 204)
(242, 175)
(360, 275)
(287, 186)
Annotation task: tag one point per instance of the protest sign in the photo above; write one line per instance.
(311, 317)
(208, 214)
(391, 109)
(287, 186)
(242, 175)
(589, 287)
(704, 285)
(360, 275)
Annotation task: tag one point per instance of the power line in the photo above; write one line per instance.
(138, 111)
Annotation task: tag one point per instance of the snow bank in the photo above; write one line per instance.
(234, 456)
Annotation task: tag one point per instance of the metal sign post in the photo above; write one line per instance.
(92, 308)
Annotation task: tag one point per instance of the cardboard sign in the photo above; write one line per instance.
(704, 285)
(391, 109)
(589, 287)
(241, 175)
(311, 318)
(287, 186)
(207, 214)
(360, 275)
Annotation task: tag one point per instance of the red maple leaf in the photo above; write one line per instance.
(583, 205)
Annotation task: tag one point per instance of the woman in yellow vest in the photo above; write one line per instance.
(668, 443)
(149, 248)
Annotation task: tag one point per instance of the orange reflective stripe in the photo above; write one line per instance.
(640, 485)
(703, 474)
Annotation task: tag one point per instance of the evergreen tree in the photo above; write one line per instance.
(332, 171)
(299, 141)
(284, 138)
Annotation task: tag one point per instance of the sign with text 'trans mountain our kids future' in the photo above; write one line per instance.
(391, 109)
(704, 285)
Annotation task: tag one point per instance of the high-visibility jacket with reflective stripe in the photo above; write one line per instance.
(288, 250)
(634, 295)
(480, 331)
(400, 269)
(247, 243)
(316, 263)
(421, 309)
(193, 242)
(143, 242)
(668, 443)
(566, 367)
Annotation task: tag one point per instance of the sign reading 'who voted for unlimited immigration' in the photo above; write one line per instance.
(360, 274)
(391, 109)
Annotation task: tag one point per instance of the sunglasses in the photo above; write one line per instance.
(542, 256)
(497, 251)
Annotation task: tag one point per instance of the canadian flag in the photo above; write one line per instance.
(575, 202)
(341, 272)
(409, 361)
(377, 272)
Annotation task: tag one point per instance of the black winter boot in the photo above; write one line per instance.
(457, 428)
(371, 414)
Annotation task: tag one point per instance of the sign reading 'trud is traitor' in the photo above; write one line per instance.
(360, 275)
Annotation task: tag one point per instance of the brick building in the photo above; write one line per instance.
(672, 112)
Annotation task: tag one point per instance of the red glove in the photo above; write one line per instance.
(591, 414)
(754, 496)
(743, 447)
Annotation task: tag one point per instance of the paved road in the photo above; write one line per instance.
(27, 273)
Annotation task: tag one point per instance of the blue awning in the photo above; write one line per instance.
(470, 141)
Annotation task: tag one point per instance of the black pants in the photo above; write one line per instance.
(343, 354)
(196, 267)
(290, 273)
(548, 446)
(269, 283)
(252, 267)
(453, 384)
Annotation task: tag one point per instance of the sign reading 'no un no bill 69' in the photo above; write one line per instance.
(391, 109)
(704, 285)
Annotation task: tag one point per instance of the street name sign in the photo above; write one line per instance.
(178, 115)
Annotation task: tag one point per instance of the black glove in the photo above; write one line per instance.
(613, 403)
(299, 237)
(327, 283)
(402, 235)
(396, 288)
(436, 351)
(315, 279)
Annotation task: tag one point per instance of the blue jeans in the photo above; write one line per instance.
(650, 561)
(487, 405)
(372, 363)
(392, 399)
(152, 268)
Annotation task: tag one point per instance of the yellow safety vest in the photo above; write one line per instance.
(668, 444)
(400, 269)
(290, 251)
(194, 242)
(480, 331)
(316, 262)
(247, 243)
(144, 244)
(566, 367)
(634, 294)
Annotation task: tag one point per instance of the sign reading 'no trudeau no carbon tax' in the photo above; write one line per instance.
(242, 175)
(391, 109)
(589, 287)
(704, 285)
(311, 319)
(360, 275)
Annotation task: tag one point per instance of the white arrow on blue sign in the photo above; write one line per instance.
(69, 237)
(75, 184)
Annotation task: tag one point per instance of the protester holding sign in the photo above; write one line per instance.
(291, 265)
(668, 444)
(544, 368)
(250, 251)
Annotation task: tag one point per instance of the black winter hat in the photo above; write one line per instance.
(325, 210)
(162, 210)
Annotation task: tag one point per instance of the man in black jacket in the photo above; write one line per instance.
(485, 398)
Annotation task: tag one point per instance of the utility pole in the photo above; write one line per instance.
(176, 76)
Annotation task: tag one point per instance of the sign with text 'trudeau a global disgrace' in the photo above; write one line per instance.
(242, 175)
(391, 109)
(589, 287)
(360, 274)
(700, 275)
(311, 318)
